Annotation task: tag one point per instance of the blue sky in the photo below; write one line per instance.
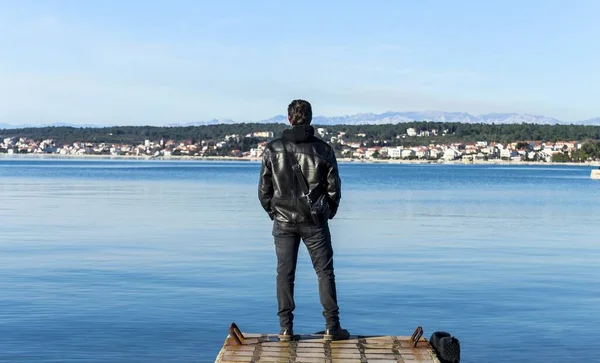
(159, 62)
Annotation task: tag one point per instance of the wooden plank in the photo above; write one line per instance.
(267, 348)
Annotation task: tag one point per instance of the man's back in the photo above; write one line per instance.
(279, 191)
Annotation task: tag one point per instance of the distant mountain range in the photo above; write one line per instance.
(383, 118)
(57, 124)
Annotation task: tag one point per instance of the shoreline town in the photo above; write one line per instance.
(481, 152)
(37, 156)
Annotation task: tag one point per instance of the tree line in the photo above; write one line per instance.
(447, 132)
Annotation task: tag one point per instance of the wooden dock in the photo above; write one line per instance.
(257, 348)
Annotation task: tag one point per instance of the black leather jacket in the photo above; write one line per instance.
(277, 184)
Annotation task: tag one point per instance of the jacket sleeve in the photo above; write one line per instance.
(265, 184)
(334, 184)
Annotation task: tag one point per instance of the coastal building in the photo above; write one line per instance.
(471, 149)
(395, 152)
(256, 152)
(435, 153)
(354, 145)
(451, 154)
(565, 146)
(358, 154)
(406, 153)
(262, 134)
(506, 153)
(384, 151)
(372, 151)
(422, 153)
(548, 149)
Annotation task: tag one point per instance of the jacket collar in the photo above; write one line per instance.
(299, 133)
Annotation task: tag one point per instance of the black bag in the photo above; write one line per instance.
(446, 347)
(319, 208)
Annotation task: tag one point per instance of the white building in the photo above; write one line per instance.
(264, 134)
(451, 154)
(394, 152)
(506, 153)
(256, 152)
(435, 153)
(407, 153)
(422, 153)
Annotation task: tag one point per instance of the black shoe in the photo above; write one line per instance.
(336, 334)
(285, 335)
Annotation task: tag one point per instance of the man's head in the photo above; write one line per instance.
(299, 113)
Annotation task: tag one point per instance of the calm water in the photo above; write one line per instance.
(132, 261)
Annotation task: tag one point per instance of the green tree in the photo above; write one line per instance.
(561, 157)
(579, 156)
(522, 145)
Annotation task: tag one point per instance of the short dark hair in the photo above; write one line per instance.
(300, 112)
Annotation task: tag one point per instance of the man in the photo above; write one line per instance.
(280, 194)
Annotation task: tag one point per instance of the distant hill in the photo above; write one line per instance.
(382, 118)
(57, 124)
(591, 122)
(436, 116)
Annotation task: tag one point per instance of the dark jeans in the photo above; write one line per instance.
(318, 242)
